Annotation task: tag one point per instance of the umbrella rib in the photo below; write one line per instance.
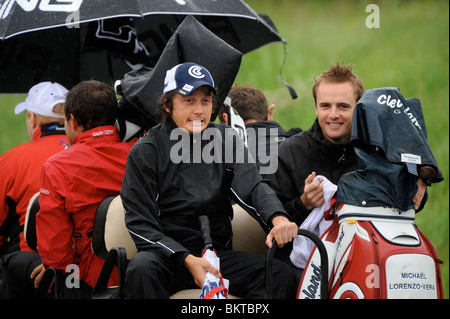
(134, 16)
(72, 24)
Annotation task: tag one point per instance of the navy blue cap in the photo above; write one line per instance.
(187, 77)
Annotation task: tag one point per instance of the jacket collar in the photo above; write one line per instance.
(329, 151)
(49, 129)
(99, 134)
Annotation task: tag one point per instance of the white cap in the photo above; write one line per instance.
(42, 98)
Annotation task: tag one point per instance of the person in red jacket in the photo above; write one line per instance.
(19, 181)
(75, 181)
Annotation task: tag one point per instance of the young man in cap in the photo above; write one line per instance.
(19, 181)
(75, 181)
(164, 196)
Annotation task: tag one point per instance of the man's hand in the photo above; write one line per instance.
(421, 189)
(37, 275)
(283, 231)
(313, 192)
(198, 267)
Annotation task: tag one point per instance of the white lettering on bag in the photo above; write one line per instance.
(396, 104)
(389, 101)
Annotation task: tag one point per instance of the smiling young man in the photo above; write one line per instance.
(323, 149)
(334, 109)
(163, 200)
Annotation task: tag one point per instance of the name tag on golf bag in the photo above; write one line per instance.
(376, 253)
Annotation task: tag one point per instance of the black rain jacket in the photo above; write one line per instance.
(164, 196)
(298, 157)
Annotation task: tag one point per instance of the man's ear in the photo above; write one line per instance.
(270, 112)
(164, 105)
(32, 120)
(225, 118)
(32, 123)
(74, 124)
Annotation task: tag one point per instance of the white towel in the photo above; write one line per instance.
(315, 223)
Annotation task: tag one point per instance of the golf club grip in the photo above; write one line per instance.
(206, 233)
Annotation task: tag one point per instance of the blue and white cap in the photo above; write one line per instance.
(187, 77)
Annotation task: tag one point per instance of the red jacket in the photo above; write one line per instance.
(20, 170)
(73, 183)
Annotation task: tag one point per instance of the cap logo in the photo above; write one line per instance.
(58, 97)
(196, 72)
(187, 87)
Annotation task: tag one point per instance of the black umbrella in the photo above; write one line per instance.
(73, 40)
(191, 42)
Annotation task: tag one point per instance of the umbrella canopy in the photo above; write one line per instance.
(73, 40)
(192, 42)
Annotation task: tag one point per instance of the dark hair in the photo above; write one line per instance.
(92, 103)
(164, 101)
(249, 102)
(340, 74)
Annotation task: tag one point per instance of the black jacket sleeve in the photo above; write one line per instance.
(139, 194)
(288, 181)
(251, 191)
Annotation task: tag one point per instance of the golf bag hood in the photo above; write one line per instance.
(191, 42)
(390, 139)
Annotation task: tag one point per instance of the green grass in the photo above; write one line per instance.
(409, 50)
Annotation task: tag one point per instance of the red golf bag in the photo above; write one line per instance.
(374, 253)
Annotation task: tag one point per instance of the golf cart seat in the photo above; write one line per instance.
(112, 242)
(29, 229)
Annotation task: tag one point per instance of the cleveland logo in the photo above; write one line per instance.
(392, 103)
(396, 104)
(196, 72)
